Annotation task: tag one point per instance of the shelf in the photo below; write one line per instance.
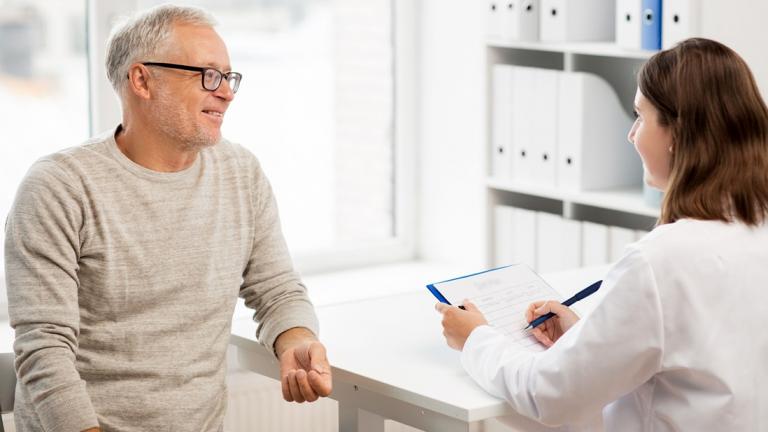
(627, 200)
(604, 49)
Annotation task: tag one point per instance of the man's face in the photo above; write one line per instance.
(180, 107)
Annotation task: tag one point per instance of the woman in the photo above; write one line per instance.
(677, 342)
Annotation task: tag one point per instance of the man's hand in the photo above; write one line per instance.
(458, 324)
(304, 369)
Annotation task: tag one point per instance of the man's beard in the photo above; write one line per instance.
(171, 118)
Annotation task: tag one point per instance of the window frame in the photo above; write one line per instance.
(105, 114)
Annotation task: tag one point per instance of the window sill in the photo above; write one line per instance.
(336, 287)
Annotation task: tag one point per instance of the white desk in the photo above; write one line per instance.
(390, 361)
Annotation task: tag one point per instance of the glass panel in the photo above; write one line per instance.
(316, 107)
(43, 86)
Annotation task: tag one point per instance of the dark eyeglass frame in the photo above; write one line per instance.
(229, 76)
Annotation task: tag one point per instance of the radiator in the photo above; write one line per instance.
(256, 404)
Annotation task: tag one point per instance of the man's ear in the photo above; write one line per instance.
(138, 80)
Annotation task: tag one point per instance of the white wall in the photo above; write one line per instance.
(741, 25)
(452, 114)
(452, 135)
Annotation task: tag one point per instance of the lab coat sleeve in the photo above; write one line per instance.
(608, 353)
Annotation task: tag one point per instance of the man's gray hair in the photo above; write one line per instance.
(143, 35)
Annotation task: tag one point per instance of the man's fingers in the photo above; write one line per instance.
(307, 393)
(286, 389)
(442, 307)
(294, 387)
(322, 384)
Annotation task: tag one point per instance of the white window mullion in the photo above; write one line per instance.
(406, 40)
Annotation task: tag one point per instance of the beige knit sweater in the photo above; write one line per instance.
(122, 282)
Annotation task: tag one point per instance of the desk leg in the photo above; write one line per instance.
(351, 398)
(354, 419)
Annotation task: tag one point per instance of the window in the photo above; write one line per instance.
(323, 105)
(317, 107)
(43, 87)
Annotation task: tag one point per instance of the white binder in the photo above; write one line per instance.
(515, 238)
(594, 244)
(593, 151)
(493, 19)
(577, 20)
(571, 244)
(524, 130)
(520, 20)
(629, 28)
(543, 113)
(501, 118)
(525, 237)
(618, 240)
(680, 19)
(503, 238)
(558, 243)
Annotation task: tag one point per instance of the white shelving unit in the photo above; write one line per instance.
(608, 49)
(624, 207)
(625, 200)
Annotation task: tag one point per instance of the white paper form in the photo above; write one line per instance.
(502, 295)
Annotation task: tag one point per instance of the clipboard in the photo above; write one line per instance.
(502, 294)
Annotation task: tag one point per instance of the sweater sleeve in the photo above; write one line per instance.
(271, 287)
(608, 353)
(41, 263)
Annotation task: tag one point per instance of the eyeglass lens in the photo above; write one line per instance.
(212, 80)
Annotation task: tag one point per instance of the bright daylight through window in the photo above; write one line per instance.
(43, 87)
(316, 105)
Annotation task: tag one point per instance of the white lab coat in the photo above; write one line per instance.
(678, 341)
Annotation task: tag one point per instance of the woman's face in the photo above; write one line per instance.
(653, 142)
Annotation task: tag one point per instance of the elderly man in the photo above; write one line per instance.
(125, 255)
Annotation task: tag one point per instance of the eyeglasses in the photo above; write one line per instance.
(211, 77)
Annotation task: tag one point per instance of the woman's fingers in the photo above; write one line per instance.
(469, 306)
(542, 337)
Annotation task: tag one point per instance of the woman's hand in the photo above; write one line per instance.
(458, 324)
(550, 331)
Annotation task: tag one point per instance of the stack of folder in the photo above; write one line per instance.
(633, 24)
(577, 20)
(656, 24)
(564, 130)
(548, 242)
(513, 20)
(550, 20)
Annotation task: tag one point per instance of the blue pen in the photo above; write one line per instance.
(586, 292)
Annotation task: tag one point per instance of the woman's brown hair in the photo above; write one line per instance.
(707, 97)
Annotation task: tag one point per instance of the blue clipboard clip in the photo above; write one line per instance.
(436, 292)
